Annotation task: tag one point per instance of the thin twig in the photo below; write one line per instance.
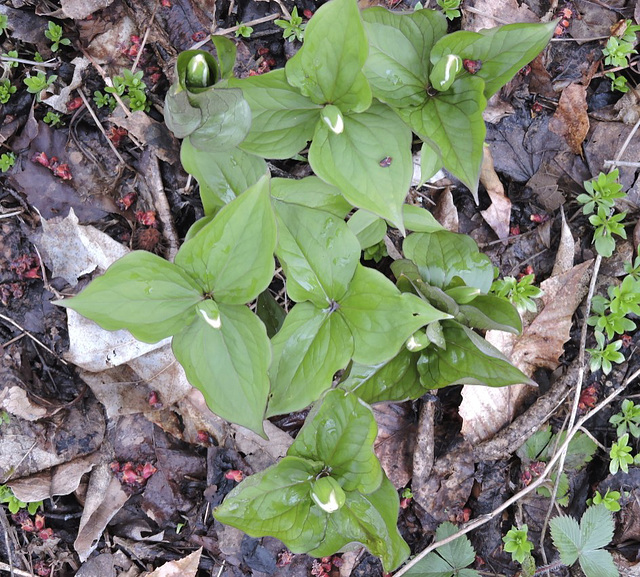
(34, 339)
(480, 521)
(621, 163)
(224, 31)
(54, 63)
(144, 39)
(14, 571)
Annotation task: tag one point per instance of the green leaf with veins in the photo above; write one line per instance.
(369, 228)
(452, 122)
(396, 67)
(232, 256)
(141, 292)
(503, 50)
(311, 346)
(395, 380)
(226, 52)
(443, 256)
(340, 432)
(419, 219)
(282, 119)
(311, 192)
(489, 312)
(225, 353)
(222, 176)
(468, 359)
(328, 67)
(381, 318)
(318, 253)
(370, 161)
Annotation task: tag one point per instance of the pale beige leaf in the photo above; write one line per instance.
(446, 212)
(498, 215)
(480, 14)
(185, 567)
(566, 249)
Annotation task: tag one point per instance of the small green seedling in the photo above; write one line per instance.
(138, 100)
(6, 90)
(130, 87)
(4, 22)
(14, 504)
(103, 100)
(618, 83)
(7, 160)
(54, 33)
(602, 192)
(5, 418)
(52, 119)
(293, 29)
(625, 297)
(607, 322)
(628, 419)
(606, 225)
(620, 455)
(617, 52)
(603, 356)
(11, 54)
(516, 542)
(520, 292)
(450, 8)
(243, 30)
(36, 84)
(611, 500)
(584, 542)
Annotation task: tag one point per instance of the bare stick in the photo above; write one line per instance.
(224, 31)
(45, 347)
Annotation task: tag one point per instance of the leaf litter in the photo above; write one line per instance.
(128, 447)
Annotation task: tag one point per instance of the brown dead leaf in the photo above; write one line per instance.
(446, 212)
(480, 14)
(185, 567)
(570, 119)
(80, 9)
(498, 215)
(566, 249)
(394, 444)
(485, 410)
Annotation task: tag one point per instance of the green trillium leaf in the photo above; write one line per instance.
(395, 380)
(369, 228)
(381, 318)
(370, 161)
(283, 120)
(225, 353)
(311, 346)
(277, 502)
(223, 175)
(396, 67)
(371, 520)
(311, 192)
(443, 256)
(468, 359)
(328, 67)
(318, 253)
(452, 123)
(270, 313)
(430, 162)
(489, 312)
(340, 432)
(141, 292)
(226, 52)
(232, 256)
(502, 51)
(419, 219)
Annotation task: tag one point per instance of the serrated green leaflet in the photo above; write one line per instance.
(311, 346)
(369, 228)
(232, 256)
(502, 51)
(446, 116)
(222, 176)
(371, 520)
(395, 380)
(328, 67)
(318, 253)
(449, 560)
(225, 353)
(282, 119)
(143, 293)
(340, 432)
(489, 312)
(442, 256)
(311, 192)
(396, 67)
(370, 161)
(534, 447)
(381, 318)
(468, 359)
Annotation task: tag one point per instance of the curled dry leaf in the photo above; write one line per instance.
(185, 567)
(446, 212)
(498, 215)
(570, 119)
(566, 249)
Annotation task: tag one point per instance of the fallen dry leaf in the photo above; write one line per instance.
(485, 410)
(570, 119)
(498, 215)
(446, 212)
(80, 9)
(566, 249)
(394, 444)
(185, 567)
(490, 13)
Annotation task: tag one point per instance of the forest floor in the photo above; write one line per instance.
(128, 461)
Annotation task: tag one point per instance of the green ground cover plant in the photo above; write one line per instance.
(358, 90)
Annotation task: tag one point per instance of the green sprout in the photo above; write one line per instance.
(450, 8)
(516, 542)
(14, 504)
(293, 29)
(606, 321)
(628, 419)
(602, 192)
(611, 500)
(103, 100)
(4, 22)
(7, 160)
(53, 119)
(606, 225)
(243, 30)
(36, 84)
(620, 455)
(54, 33)
(625, 298)
(618, 83)
(5, 418)
(603, 356)
(6, 90)
(520, 292)
(633, 268)
(11, 54)
(617, 52)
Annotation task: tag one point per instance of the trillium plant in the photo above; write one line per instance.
(363, 86)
